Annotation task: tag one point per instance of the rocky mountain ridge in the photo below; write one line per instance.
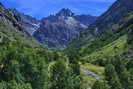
(11, 30)
(58, 30)
(55, 31)
(29, 23)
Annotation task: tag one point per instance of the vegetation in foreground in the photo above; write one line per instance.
(104, 64)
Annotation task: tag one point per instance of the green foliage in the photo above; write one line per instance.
(112, 78)
(63, 76)
(14, 85)
(93, 68)
(116, 47)
(101, 85)
(130, 35)
(57, 75)
(118, 74)
(25, 64)
(89, 80)
(19, 63)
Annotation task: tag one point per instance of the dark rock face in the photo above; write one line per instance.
(115, 13)
(8, 18)
(58, 30)
(28, 23)
(65, 12)
(86, 19)
(58, 33)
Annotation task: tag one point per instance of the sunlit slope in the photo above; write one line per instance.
(90, 73)
(117, 47)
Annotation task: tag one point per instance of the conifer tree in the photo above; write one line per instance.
(58, 74)
(112, 78)
(100, 85)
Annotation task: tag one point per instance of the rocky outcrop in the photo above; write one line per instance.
(8, 18)
(28, 23)
(58, 30)
(12, 31)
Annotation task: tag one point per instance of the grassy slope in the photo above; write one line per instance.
(11, 30)
(89, 80)
(106, 46)
(93, 68)
(12, 34)
(115, 48)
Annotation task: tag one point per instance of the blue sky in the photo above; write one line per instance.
(43, 8)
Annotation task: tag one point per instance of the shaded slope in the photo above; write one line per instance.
(105, 22)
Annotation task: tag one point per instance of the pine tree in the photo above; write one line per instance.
(130, 35)
(100, 85)
(58, 75)
(122, 72)
(112, 78)
(131, 79)
(119, 65)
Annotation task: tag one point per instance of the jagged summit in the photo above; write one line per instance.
(65, 12)
(58, 30)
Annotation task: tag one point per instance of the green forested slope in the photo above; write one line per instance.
(112, 51)
(116, 47)
(26, 64)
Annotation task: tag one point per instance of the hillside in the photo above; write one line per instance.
(14, 31)
(111, 48)
(119, 9)
(27, 64)
(117, 47)
(109, 19)
(29, 24)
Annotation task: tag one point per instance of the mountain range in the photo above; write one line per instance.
(59, 30)
(55, 31)
(67, 29)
